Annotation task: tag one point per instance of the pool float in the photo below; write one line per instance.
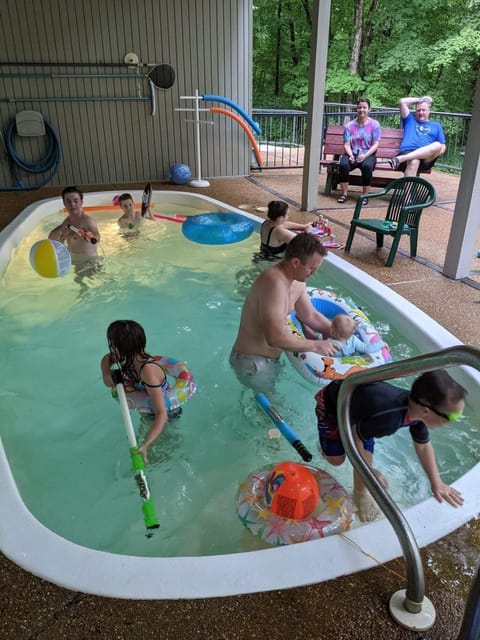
(318, 368)
(217, 228)
(293, 502)
(182, 390)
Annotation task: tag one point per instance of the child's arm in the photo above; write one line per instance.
(440, 489)
(152, 374)
(106, 366)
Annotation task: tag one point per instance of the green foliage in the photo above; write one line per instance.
(407, 48)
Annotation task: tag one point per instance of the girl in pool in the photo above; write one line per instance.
(127, 343)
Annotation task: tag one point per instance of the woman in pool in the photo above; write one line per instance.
(127, 343)
(277, 231)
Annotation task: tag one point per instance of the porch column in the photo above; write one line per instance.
(466, 217)
(316, 94)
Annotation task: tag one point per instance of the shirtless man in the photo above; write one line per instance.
(79, 242)
(262, 334)
(423, 139)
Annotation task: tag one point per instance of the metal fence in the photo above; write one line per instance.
(283, 133)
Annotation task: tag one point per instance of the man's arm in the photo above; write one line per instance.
(273, 322)
(406, 103)
(440, 489)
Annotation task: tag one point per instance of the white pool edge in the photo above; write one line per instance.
(38, 550)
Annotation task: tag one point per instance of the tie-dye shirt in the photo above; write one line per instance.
(361, 138)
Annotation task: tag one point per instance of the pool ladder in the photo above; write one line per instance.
(408, 607)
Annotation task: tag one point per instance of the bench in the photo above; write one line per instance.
(333, 146)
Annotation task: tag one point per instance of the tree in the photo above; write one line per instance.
(381, 48)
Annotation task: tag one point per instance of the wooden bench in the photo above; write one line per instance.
(333, 148)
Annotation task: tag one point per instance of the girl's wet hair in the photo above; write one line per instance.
(125, 196)
(276, 209)
(126, 340)
(437, 388)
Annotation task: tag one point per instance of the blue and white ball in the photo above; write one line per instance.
(180, 173)
(50, 258)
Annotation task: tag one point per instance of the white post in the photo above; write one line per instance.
(198, 182)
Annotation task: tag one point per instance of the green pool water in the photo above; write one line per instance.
(64, 435)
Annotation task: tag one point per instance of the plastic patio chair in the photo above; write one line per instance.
(408, 198)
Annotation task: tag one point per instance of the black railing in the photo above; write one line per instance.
(283, 133)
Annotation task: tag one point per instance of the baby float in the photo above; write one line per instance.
(293, 502)
(318, 368)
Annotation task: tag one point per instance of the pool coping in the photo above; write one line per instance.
(40, 551)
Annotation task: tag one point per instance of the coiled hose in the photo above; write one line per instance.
(49, 163)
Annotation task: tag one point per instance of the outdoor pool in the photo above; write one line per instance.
(65, 448)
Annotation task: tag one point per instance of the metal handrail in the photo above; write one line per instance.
(452, 356)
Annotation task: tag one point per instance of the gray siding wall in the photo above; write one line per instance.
(104, 124)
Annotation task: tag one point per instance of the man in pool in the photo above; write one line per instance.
(380, 409)
(262, 334)
(78, 229)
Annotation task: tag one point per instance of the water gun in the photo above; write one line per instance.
(83, 233)
(148, 507)
(286, 431)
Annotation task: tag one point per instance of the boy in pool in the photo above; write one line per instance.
(342, 333)
(127, 343)
(380, 409)
(131, 219)
(78, 231)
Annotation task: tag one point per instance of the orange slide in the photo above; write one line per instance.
(256, 150)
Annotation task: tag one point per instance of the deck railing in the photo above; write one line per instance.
(283, 133)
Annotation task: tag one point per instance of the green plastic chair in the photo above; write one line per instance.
(408, 198)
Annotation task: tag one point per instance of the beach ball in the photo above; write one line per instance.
(180, 173)
(50, 258)
(291, 490)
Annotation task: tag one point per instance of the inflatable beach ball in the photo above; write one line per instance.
(50, 258)
(180, 173)
(291, 491)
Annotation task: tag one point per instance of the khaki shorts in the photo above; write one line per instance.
(257, 372)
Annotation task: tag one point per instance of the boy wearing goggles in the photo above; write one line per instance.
(380, 409)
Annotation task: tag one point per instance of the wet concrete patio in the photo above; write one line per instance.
(352, 607)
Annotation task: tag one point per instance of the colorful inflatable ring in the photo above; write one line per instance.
(333, 514)
(217, 228)
(317, 368)
(180, 391)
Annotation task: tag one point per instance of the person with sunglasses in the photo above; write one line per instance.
(380, 409)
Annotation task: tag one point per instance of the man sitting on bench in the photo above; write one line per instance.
(423, 139)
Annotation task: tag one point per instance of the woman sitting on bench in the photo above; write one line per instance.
(361, 138)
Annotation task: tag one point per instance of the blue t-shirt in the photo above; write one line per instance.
(419, 134)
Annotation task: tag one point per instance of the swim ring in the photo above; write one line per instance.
(217, 228)
(317, 368)
(182, 387)
(333, 512)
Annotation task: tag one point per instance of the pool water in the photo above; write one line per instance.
(64, 435)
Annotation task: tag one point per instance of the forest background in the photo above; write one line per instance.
(383, 49)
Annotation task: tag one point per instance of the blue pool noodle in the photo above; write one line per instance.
(287, 432)
(255, 126)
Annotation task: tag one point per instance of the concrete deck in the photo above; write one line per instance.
(352, 607)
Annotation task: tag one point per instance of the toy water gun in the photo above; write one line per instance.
(83, 233)
(148, 507)
(286, 431)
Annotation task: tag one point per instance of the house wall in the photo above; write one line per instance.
(104, 124)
